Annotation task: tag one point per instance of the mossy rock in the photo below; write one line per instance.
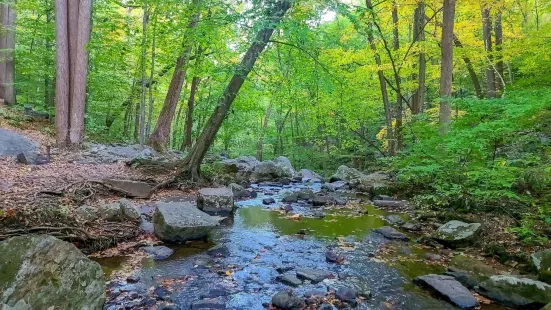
(456, 233)
(542, 263)
(516, 292)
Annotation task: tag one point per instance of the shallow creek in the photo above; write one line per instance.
(236, 268)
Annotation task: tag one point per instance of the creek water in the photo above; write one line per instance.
(237, 267)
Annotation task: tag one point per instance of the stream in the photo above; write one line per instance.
(237, 267)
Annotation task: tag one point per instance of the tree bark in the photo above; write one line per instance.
(398, 80)
(487, 34)
(145, 21)
(418, 99)
(187, 143)
(159, 137)
(192, 163)
(151, 76)
(446, 70)
(7, 53)
(498, 31)
(470, 68)
(62, 74)
(382, 83)
(260, 142)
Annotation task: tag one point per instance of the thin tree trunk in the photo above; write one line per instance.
(260, 142)
(446, 70)
(470, 68)
(3, 20)
(78, 99)
(418, 99)
(62, 74)
(195, 157)
(187, 143)
(398, 79)
(151, 76)
(498, 31)
(487, 34)
(382, 83)
(145, 21)
(159, 137)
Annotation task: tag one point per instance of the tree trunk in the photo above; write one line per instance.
(62, 74)
(382, 83)
(195, 157)
(260, 143)
(151, 76)
(159, 137)
(78, 100)
(398, 79)
(446, 70)
(187, 143)
(145, 21)
(498, 30)
(7, 52)
(418, 99)
(487, 34)
(470, 68)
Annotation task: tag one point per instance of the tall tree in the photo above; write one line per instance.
(487, 36)
(418, 98)
(72, 35)
(498, 32)
(273, 16)
(160, 136)
(446, 70)
(397, 79)
(7, 51)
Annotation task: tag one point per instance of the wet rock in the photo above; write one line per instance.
(383, 197)
(239, 191)
(286, 165)
(320, 201)
(179, 222)
(306, 175)
(216, 292)
(335, 186)
(158, 252)
(462, 276)
(128, 211)
(326, 306)
(395, 220)
(287, 300)
(215, 201)
(269, 171)
(449, 289)
(208, 304)
(283, 269)
(332, 257)
(219, 251)
(318, 214)
(290, 197)
(433, 257)
(268, 201)
(346, 173)
(411, 226)
(391, 233)
(287, 208)
(542, 262)
(289, 279)
(390, 204)
(162, 294)
(133, 189)
(86, 213)
(347, 295)
(312, 275)
(516, 292)
(37, 272)
(456, 233)
(305, 194)
(134, 278)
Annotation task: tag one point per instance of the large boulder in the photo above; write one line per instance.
(542, 262)
(133, 189)
(12, 144)
(347, 174)
(240, 164)
(269, 171)
(516, 292)
(286, 165)
(120, 211)
(287, 300)
(448, 288)
(178, 222)
(43, 272)
(215, 201)
(456, 233)
(306, 175)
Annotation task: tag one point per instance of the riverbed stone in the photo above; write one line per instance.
(37, 272)
(110, 211)
(456, 233)
(449, 289)
(239, 191)
(178, 222)
(12, 143)
(128, 211)
(391, 233)
(289, 279)
(287, 300)
(516, 292)
(269, 171)
(286, 165)
(542, 262)
(305, 194)
(215, 201)
(158, 252)
(346, 173)
(394, 220)
(290, 197)
(312, 275)
(87, 213)
(306, 175)
(411, 226)
(347, 295)
(130, 188)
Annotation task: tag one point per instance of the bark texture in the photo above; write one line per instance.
(7, 52)
(487, 34)
(446, 70)
(418, 99)
(273, 17)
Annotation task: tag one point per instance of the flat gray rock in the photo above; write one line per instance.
(38, 272)
(215, 201)
(178, 222)
(391, 233)
(313, 275)
(516, 292)
(133, 189)
(158, 252)
(449, 289)
(457, 233)
(12, 144)
(289, 279)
